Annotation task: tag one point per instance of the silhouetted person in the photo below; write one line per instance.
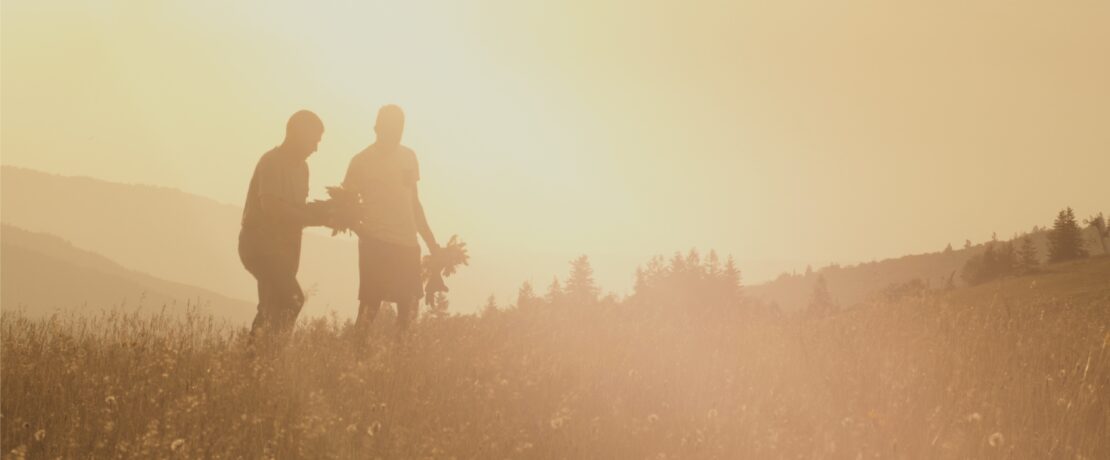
(385, 175)
(273, 217)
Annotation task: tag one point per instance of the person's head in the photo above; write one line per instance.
(302, 133)
(390, 125)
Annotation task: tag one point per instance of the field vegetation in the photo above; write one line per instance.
(684, 368)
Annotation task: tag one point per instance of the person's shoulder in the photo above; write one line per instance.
(269, 158)
(363, 154)
(270, 154)
(406, 152)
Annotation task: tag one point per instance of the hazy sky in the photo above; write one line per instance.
(782, 132)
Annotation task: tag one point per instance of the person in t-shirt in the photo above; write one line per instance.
(384, 175)
(274, 215)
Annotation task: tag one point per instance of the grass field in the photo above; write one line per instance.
(1013, 369)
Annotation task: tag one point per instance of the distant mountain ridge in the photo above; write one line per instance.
(166, 233)
(174, 235)
(41, 273)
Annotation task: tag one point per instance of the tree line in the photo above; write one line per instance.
(1065, 242)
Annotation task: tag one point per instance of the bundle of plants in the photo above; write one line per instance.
(343, 210)
(440, 264)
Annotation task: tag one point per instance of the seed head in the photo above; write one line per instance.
(374, 429)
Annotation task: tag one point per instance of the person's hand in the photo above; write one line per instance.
(435, 249)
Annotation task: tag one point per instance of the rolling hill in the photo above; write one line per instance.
(852, 284)
(167, 234)
(41, 273)
(1079, 282)
(177, 236)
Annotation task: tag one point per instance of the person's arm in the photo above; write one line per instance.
(353, 184)
(422, 226)
(286, 210)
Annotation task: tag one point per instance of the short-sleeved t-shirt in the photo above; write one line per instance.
(386, 181)
(277, 176)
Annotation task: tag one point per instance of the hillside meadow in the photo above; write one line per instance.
(1013, 369)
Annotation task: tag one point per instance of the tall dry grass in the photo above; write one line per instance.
(916, 378)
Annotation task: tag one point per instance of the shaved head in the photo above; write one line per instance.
(303, 132)
(390, 124)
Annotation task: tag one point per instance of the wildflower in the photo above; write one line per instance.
(177, 444)
(996, 439)
(556, 423)
(40, 434)
(974, 417)
(110, 400)
(374, 429)
(352, 428)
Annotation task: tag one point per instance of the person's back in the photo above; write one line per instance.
(279, 176)
(384, 178)
(274, 215)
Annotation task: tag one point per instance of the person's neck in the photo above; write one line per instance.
(387, 146)
(289, 152)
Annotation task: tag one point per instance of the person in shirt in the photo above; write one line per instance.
(274, 215)
(385, 176)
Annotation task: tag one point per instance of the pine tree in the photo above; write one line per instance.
(491, 306)
(1006, 260)
(712, 264)
(554, 292)
(1098, 222)
(821, 302)
(640, 285)
(693, 260)
(580, 285)
(1027, 255)
(1065, 240)
(677, 264)
(732, 278)
(989, 269)
(967, 244)
(526, 296)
